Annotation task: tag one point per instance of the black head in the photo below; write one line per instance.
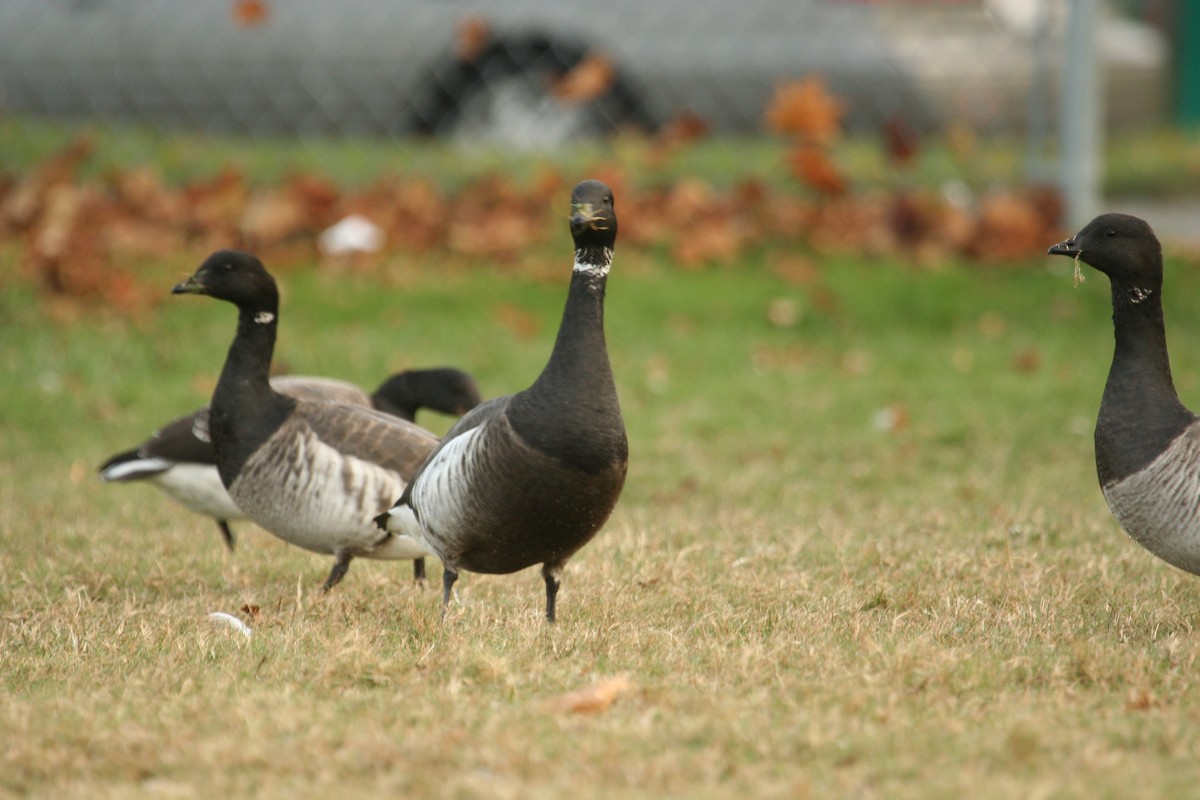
(593, 218)
(1122, 247)
(446, 390)
(235, 276)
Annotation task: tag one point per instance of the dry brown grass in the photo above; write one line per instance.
(802, 605)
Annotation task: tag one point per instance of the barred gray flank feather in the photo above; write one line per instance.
(179, 459)
(313, 473)
(1159, 506)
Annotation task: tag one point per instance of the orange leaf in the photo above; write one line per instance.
(804, 107)
(588, 80)
(685, 127)
(797, 270)
(716, 241)
(522, 323)
(471, 36)
(250, 13)
(272, 216)
(1027, 360)
(595, 698)
(900, 139)
(812, 166)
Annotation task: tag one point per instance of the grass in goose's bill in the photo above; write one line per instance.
(861, 552)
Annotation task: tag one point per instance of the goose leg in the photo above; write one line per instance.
(419, 570)
(226, 534)
(552, 573)
(340, 565)
(448, 579)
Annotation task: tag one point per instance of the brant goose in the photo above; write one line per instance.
(314, 473)
(1147, 442)
(444, 389)
(529, 478)
(180, 461)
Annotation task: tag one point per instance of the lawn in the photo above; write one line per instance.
(861, 552)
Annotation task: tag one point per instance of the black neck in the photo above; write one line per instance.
(580, 355)
(245, 409)
(399, 399)
(1140, 413)
(575, 391)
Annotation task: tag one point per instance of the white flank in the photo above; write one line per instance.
(231, 621)
(199, 487)
(442, 491)
(141, 468)
(1159, 506)
(401, 521)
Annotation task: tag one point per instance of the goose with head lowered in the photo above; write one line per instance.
(313, 473)
(1147, 442)
(178, 458)
(530, 478)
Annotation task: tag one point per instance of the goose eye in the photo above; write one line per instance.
(226, 267)
(1110, 233)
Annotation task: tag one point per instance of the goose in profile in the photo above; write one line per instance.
(178, 458)
(530, 478)
(1147, 442)
(312, 472)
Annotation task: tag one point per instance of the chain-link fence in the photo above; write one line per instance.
(532, 74)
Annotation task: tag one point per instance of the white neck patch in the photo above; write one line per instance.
(264, 317)
(599, 270)
(1137, 295)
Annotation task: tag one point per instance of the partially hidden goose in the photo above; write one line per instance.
(314, 473)
(1147, 442)
(530, 478)
(179, 460)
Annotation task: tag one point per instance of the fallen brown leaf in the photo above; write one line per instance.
(589, 80)
(1140, 700)
(784, 312)
(593, 699)
(805, 108)
(522, 323)
(1027, 360)
(901, 142)
(812, 165)
(471, 36)
(250, 13)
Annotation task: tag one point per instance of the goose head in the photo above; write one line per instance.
(234, 276)
(1121, 246)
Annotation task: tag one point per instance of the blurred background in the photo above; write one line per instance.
(1078, 100)
(530, 74)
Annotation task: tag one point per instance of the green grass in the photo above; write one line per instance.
(805, 605)
(1164, 162)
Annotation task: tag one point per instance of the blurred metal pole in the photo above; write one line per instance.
(1039, 168)
(1081, 142)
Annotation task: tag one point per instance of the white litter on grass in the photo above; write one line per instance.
(231, 621)
(352, 234)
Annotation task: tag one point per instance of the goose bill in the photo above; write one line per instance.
(190, 286)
